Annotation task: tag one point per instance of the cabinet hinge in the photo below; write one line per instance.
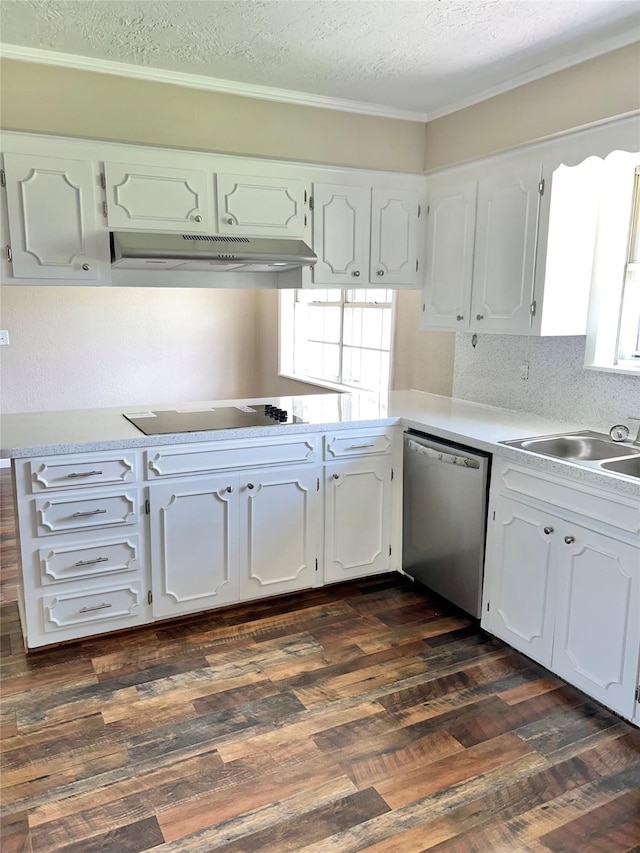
(488, 606)
(149, 597)
(416, 265)
(305, 220)
(9, 254)
(104, 208)
(419, 211)
(638, 693)
(147, 507)
(428, 209)
(541, 187)
(310, 202)
(532, 308)
(316, 564)
(392, 474)
(103, 181)
(389, 550)
(305, 196)
(494, 515)
(317, 484)
(3, 178)
(424, 307)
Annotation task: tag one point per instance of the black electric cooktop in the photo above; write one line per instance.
(221, 417)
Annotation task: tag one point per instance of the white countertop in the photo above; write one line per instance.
(84, 430)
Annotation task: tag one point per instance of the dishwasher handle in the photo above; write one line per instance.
(440, 456)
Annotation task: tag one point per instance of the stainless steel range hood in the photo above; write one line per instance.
(132, 250)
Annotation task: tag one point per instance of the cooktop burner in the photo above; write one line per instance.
(221, 417)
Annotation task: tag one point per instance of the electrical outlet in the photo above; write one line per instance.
(524, 370)
(4, 338)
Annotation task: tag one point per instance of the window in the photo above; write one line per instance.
(613, 334)
(337, 338)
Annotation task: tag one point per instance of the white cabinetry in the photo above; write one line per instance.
(365, 236)
(53, 221)
(158, 198)
(562, 580)
(359, 511)
(81, 546)
(259, 206)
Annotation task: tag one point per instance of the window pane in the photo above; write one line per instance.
(323, 361)
(353, 326)
(323, 324)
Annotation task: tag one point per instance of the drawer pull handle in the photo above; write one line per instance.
(91, 562)
(102, 606)
(75, 474)
(360, 446)
(91, 512)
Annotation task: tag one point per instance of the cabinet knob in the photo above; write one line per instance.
(198, 218)
(460, 317)
(356, 273)
(229, 489)
(548, 530)
(86, 267)
(479, 316)
(569, 539)
(380, 272)
(250, 486)
(229, 221)
(336, 476)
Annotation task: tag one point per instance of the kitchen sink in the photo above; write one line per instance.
(630, 466)
(576, 447)
(591, 449)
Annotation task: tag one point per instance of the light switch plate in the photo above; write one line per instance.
(4, 338)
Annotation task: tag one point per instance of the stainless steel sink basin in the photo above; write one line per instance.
(630, 466)
(591, 449)
(577, 447)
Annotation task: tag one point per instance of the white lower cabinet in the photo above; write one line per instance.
(562, 581)
(357, 517)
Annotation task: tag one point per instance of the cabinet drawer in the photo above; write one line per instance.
(57, 515)
(71, 609)
(65, 561)
(567, 496)
(225, 455)
(362, 443)
(74, 472)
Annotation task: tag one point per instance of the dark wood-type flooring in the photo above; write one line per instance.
(368, 716)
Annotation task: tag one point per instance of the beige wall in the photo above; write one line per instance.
(601, 88)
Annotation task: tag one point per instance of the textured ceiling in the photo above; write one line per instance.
(425, 56)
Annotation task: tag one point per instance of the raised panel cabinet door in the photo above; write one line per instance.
(260, 207)
(53, 220)
(505, 247)
(194, 545)
(394, 237)
(520, 578)
(157, 198)
(451, 221)
(279, 530)
(597, 635)
(357, 518)
(341, 235)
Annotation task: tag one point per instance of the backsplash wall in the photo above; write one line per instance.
(558, 385)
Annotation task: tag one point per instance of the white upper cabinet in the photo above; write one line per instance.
(261, 206)
(365, 237)
(53, 217)
(340, 235)
(157, 198)
(451, 223)
(505, 247)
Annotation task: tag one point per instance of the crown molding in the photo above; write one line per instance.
(604, 46)
(287, 96)
(199, 81)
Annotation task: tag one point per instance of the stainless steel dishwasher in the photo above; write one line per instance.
(445, 517)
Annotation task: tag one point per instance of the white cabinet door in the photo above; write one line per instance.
(279, 530)
(505, 247)
(157, 198)
(394, 237)
(194, 536)
(597, 634)
(520, 579)
(341, 235)
(357, 517)
(260, 206)
(53, 220)
(451, 221)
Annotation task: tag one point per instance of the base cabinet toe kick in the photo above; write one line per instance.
(116, 540)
